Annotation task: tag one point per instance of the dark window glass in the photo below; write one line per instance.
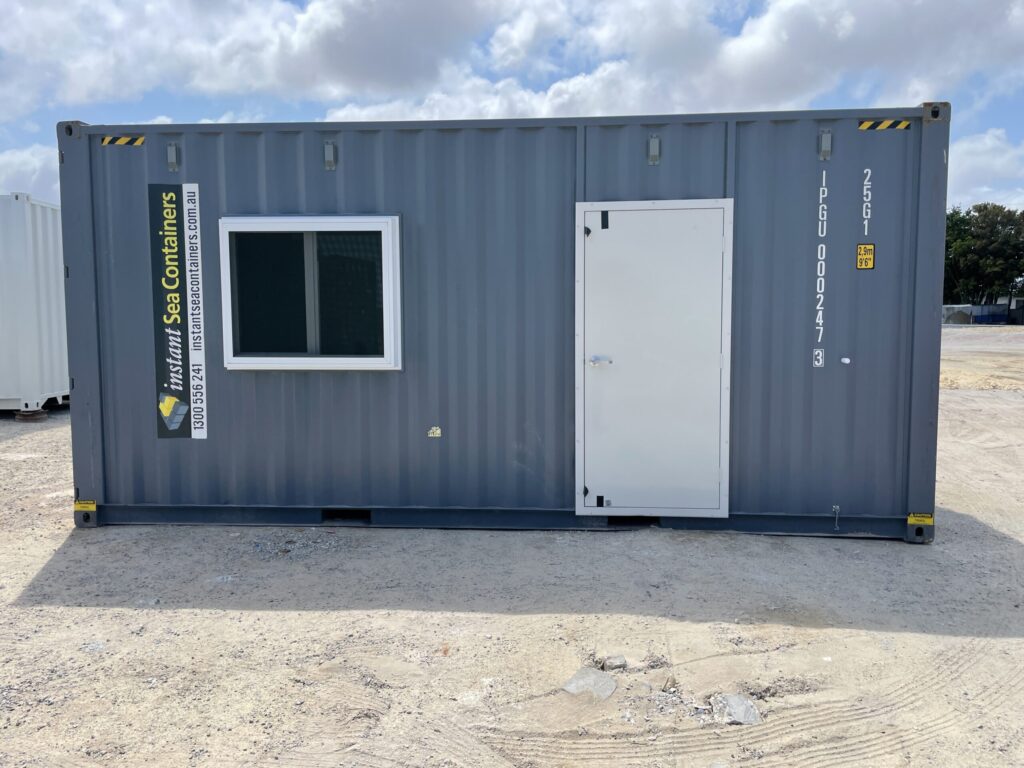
(270, 293)
(351, 293)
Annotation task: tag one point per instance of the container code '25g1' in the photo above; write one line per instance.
(866, 197)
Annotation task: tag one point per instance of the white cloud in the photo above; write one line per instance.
(986, 167)
(72, 51)
(235, 117)
(31, 169)
(465, 95)
(364, 59)
(668, 55)
(523, 41)
(75, 52)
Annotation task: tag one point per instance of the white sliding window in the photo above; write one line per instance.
(311, 292)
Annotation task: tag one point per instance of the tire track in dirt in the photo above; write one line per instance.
(42, 758)
(842, 749)
(370, 736)
(350, 711)
(352, 756)
(454, 742)
(422, 742)
(549, 748)
(857, 749)
(323, 746)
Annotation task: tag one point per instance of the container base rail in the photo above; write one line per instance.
(916, 529)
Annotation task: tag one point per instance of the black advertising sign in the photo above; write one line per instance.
(176, 251)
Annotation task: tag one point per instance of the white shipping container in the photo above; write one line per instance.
(33, 335)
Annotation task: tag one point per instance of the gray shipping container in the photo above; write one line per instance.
(722, 321)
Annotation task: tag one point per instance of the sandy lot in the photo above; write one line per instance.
(355, 647)
(976, 357)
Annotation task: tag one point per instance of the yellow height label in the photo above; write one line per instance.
(85, 506)
(866, 256)
(920, 520)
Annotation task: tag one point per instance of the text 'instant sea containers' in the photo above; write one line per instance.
(717, 321)
(33, 344)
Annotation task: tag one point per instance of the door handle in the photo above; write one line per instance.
(596, 360)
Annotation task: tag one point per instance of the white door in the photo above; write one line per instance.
(653, 310)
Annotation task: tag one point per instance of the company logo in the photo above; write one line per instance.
(172, 410)
(176, 261)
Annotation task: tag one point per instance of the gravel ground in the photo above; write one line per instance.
(353, 647)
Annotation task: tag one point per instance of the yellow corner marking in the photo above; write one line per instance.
(85, 506)
(920, 520)
(882, 125)
(123, 141)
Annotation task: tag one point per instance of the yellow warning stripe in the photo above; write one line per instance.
(122, 141)
(881, 125)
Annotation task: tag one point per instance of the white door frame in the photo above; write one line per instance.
(726, 205)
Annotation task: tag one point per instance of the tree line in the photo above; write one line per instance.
(984, 254)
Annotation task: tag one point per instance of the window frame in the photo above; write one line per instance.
(391, 284)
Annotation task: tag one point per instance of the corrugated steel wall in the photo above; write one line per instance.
(486, 227)
(487, 258)
(804, 438)
(33, 336)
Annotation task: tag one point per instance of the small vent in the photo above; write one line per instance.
(632, 521)
(345, 516)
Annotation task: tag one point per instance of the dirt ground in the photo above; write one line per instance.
(976, 357)
(356, 647)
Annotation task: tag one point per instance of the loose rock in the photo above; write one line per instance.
(593, 681)
(655, 661)
(614, 662)
(734, 709)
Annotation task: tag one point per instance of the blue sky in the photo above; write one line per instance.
(124, 62)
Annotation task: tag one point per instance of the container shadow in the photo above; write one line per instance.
(966, 583)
